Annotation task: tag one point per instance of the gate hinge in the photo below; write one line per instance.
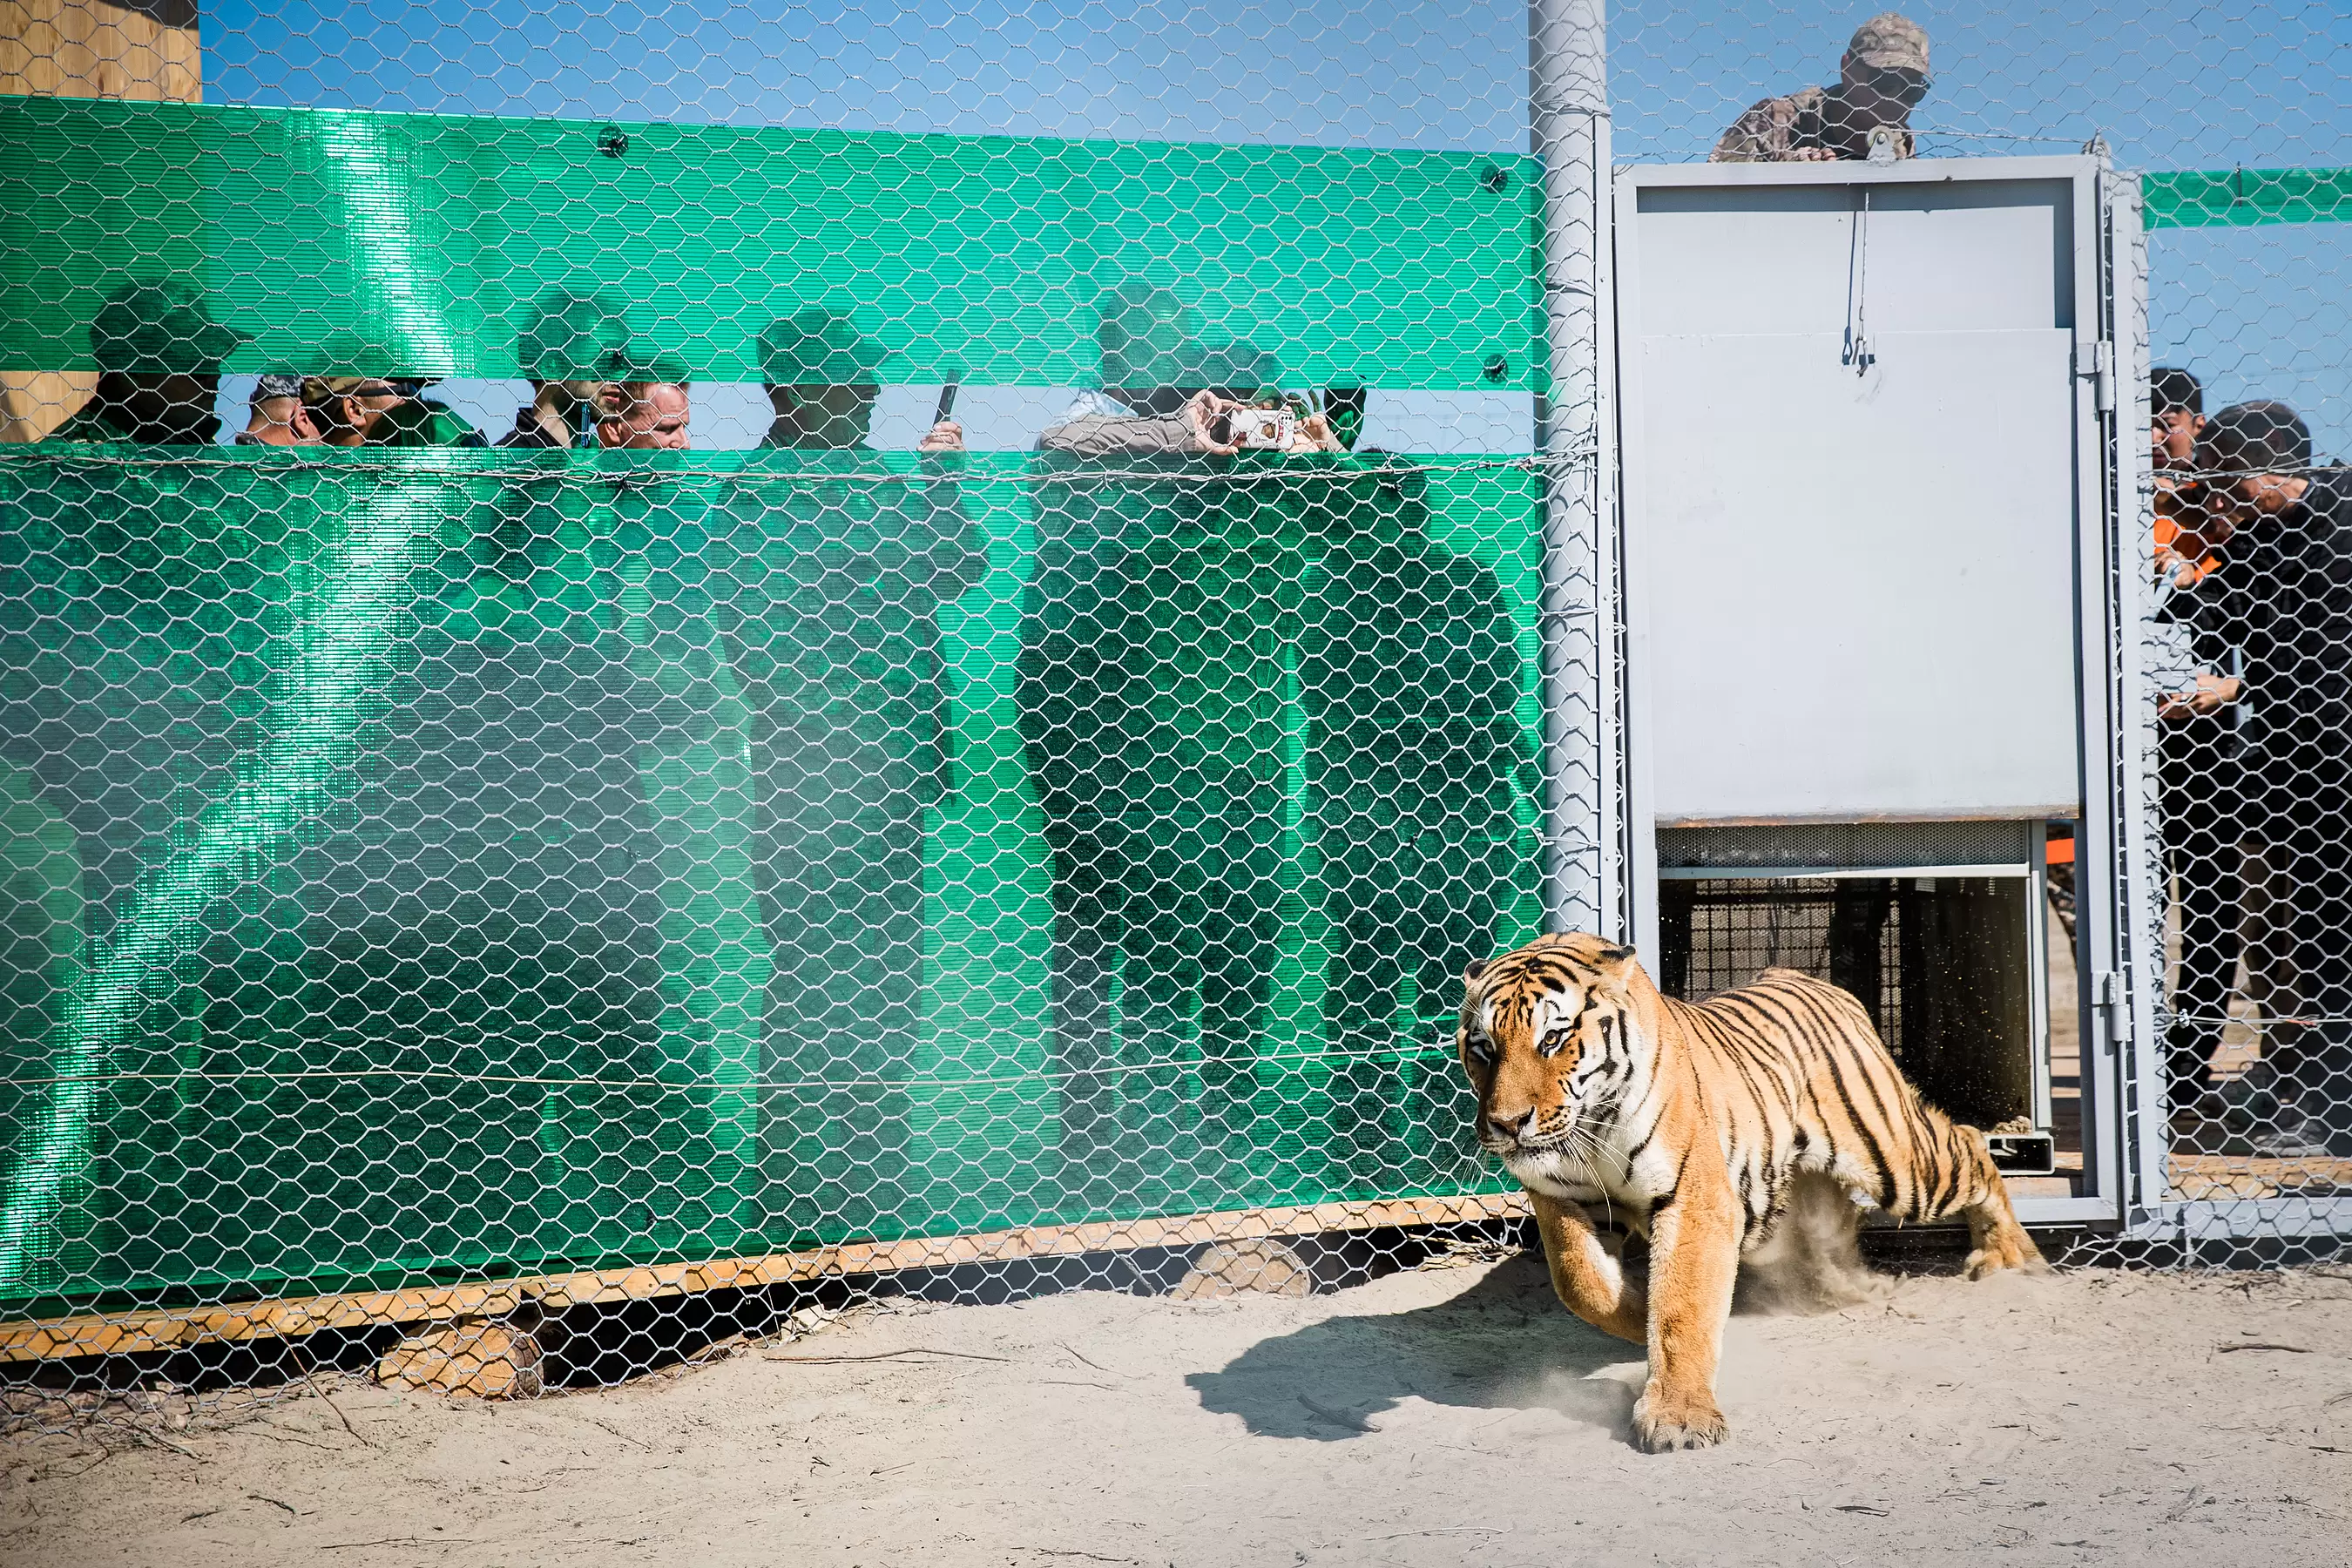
(2096, 363)
(2110, 993)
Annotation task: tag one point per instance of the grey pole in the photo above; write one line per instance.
(1583, 794)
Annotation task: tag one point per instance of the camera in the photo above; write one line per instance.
(1267, 429)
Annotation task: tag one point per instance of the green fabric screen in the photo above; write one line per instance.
(2237, 198)
(433, 864)
(418, 244)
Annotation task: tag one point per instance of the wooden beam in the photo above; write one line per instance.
(134, 1334)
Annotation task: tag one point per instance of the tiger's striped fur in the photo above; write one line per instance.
(1695, 1126)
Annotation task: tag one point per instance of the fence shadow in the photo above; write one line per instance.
(1506, 1344)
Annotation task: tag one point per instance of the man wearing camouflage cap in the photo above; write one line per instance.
(564, 347)
(278, 415)
(159, 355)
(840, 559)
(823, 376)
(1882, 78)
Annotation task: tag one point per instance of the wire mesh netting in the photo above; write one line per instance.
(659, 653)
(2237, 1104)
(682, 710)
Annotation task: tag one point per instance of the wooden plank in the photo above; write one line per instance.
(2221, 1177)
(134, 1334)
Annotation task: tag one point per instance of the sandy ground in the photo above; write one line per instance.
(1441, 1417)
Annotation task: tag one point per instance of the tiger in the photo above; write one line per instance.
(1701, 1127)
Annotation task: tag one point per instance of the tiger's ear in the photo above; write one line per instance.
(1616, 966)
(1478, 967)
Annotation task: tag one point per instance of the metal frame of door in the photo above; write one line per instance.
(2114, 724)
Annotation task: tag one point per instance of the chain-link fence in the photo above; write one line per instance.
(656, 660)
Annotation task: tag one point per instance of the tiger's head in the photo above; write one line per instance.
(1548, 1038)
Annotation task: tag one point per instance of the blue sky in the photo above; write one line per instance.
(2258, 84)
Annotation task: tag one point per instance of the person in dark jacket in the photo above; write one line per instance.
(832, 572)
(1155, 633)
(2199, 609)
(2292, 529)
(159, 355)
(564, 347)
(1408, 673)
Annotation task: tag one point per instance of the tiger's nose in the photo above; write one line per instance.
(1513, 1123)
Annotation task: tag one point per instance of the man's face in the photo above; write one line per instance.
(2172, 437)
(178, 402)
(1869, 97)
(282, 421)
(829, 417)
(645, 417)
(2269, 494)
(363, 409)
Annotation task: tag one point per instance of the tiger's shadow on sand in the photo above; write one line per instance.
(1504, 1344)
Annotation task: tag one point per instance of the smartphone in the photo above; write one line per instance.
(946, 410)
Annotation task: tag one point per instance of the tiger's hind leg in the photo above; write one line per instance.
(1996, 1241)
(1810, 1259)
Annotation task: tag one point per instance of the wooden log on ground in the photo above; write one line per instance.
(145, 1332)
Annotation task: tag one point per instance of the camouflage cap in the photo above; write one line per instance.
(817, 347)
(270, 387)
(159, 328)
(634, 366)
(1890, 41)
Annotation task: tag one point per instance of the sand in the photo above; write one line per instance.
(1445, 1416)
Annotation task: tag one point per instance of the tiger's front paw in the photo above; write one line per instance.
(1665, 1422)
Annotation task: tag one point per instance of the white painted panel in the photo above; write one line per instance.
(1861, 594)
(1760, 260)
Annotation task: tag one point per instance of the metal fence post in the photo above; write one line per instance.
(1583, 800)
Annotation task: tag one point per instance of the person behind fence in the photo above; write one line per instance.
(565, 342)
(2291, 528)
(277, 416)
(1151, 673)
(649, 412)
(1880, 79)
(2176, 410)
(1146, 332)
(158, 353)
(1409, 674)
(382, 411)
(835, 416)
(837, 564)
(2196, 632)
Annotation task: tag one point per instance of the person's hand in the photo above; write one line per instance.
(947, 435)
(1314, 433)
(2211, 693)
(1811, 155)
(2184, 571)
(1203, 417)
